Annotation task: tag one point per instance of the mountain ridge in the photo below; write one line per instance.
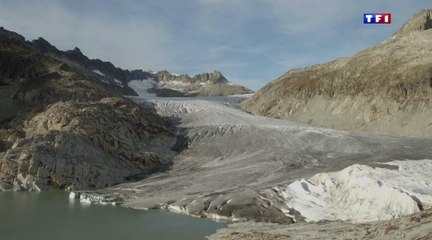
(383, 89)
(119, 78)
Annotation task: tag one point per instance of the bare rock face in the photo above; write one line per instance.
(214, 77)
(384, 89)
(421, 21)
(57, 161)
(85, 145)
(114, 124)
(205, 84)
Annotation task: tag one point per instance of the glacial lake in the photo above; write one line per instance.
(52, 215)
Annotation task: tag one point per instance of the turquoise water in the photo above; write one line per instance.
(52, 215)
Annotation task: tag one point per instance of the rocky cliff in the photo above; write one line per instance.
(61, 128)
(385, 89)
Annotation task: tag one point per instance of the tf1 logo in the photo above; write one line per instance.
(377, 18)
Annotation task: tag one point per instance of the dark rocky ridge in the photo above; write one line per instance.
(384, 89)
(112, 74)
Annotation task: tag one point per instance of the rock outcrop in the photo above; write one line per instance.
(206, 84)
(421, 21)
(84, 145)
(385, 89)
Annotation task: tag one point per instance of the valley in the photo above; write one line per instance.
(233, 166)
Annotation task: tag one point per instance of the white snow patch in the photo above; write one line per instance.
(142, 87)
(105, 81)
(220, 218)
(72, 195)
(177, 209)
(118, 82)
(213, 216)
(98, 72)
(176, 85)
(361, 193)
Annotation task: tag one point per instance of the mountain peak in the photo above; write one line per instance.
(77, 50)
(77, 55)
(44, 46)
(9, 34)
(420, 21)
(214, 77)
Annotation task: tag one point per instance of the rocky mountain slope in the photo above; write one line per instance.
(385, 89)
(139, 82)
(60, 128)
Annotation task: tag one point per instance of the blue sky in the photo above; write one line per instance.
(250, 41)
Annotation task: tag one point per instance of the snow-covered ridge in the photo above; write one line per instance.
(361, 193)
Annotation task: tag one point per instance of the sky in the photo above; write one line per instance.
(252, 42)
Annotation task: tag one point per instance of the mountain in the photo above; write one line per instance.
(62, 128)
(384, 89)
(139, 82)
(65, 124)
